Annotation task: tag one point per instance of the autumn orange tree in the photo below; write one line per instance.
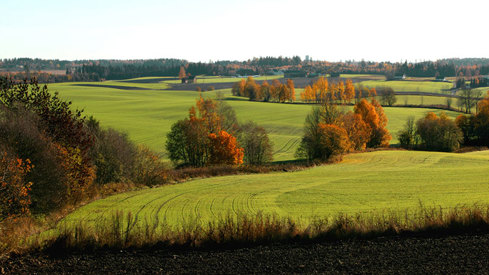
(290, 96)
(333, 140)
(308, 95)
(322, 91)
(182, 73)
(265, 91)
(356, 128)
(275, 90)
(373, 115)
(224, 149)
(349, 91)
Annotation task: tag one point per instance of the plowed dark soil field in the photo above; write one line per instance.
(413, 255)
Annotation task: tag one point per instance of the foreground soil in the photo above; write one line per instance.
(439, 255)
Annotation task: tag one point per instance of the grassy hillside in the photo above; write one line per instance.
(362, 183)
(146, 115)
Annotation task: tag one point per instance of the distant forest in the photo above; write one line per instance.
(98, 70)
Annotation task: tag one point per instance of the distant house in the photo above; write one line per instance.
(188, 79)
(440, 78)
(400, 77)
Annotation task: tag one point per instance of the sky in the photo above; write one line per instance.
(375, 30)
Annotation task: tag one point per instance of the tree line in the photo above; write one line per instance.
(276, 92)
(95, 70)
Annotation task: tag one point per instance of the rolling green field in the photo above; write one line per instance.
(147, 115)
(362, 183)
(219, 79)
(410, 86)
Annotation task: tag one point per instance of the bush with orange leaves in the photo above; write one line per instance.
(224, 149)
(14, 190)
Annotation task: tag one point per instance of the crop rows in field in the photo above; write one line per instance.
(362, 183)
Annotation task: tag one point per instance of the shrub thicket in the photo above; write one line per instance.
(22, 135)
(67, 154)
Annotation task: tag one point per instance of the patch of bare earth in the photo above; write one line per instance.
(407, 255)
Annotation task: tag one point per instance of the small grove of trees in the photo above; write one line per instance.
(329, 132)
(436, 133)
(212, 136)
(475, 128)
(468, 99)
(388, 96)
(276, 92)
(323, 92)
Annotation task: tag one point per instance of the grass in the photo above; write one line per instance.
(121, 84)
(147, 115)
(366, 76)
(219, 79)
(382, 193)
(411, 86)
(423, 100)
(362, 183)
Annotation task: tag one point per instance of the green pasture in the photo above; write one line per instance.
(410, 86)
(362, 183)
(113, 84)
(223, 79)
(366, 76)
(147, 115)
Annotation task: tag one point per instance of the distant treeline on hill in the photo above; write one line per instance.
(96, 70)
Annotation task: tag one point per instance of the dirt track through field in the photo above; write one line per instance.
(401, 255)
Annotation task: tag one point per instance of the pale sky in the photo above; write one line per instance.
(375, 30)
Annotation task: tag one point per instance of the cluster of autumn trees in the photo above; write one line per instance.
(276, 92)
(329, 132)
(211, 135)
(343, 92)
(323, 92)
(432, 132)
(51, 156)
(440, 133)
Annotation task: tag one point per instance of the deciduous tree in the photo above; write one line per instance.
(224, 149)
